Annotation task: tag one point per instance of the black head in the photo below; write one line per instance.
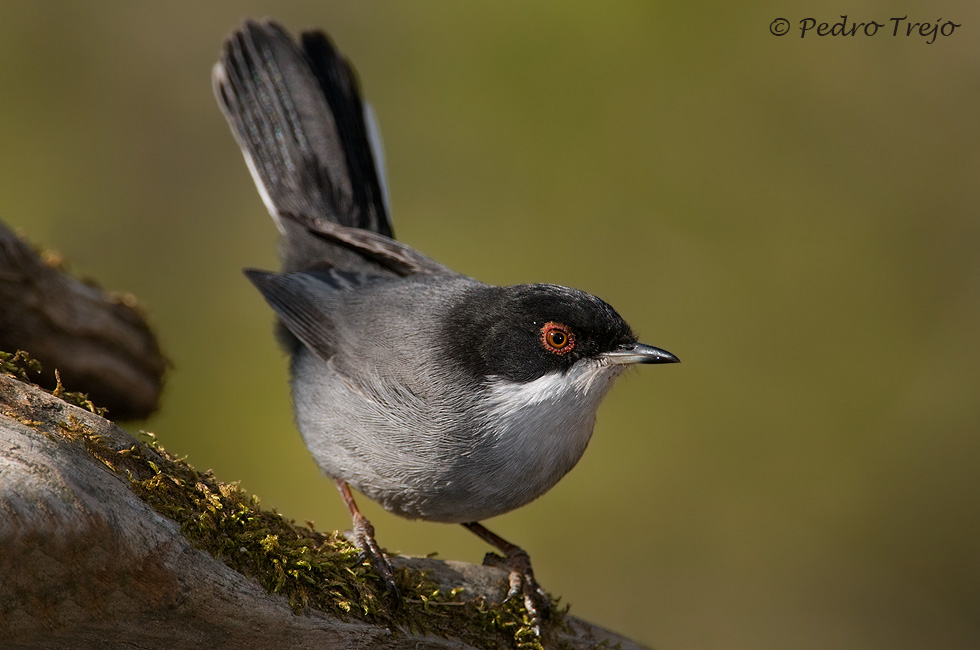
(525, 331)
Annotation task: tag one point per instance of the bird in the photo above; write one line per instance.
(438, 396)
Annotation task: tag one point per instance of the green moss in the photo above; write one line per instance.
(308, 568)
(76, 399)
(19, 365)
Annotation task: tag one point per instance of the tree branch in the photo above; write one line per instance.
(99, 342)
(87, 560)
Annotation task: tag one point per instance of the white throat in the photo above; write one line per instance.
(542, 427)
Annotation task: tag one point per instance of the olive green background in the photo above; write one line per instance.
(796, 219)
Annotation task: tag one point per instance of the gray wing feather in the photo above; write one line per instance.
(392, 255)
(304, 302)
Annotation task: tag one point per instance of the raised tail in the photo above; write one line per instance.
(308, 138)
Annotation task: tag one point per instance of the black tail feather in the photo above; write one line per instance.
(300, 121)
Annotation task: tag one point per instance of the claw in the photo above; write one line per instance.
(363, 538)
(522, 581)
(520, 578)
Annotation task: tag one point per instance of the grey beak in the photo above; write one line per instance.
(638, 353)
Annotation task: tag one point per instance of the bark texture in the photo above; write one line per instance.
(99, 342)
(86, 563)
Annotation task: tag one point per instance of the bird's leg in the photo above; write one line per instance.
(521, 577)
(363, 538)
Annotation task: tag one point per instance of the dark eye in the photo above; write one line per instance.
(557, 338)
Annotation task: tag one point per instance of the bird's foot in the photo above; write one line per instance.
(363, 538)
(521, 581)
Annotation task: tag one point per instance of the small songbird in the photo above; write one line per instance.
(438, 396)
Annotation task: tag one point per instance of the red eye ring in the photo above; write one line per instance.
(557, 338)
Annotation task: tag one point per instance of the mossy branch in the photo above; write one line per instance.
(107, 541)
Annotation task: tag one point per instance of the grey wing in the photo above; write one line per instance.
(307, 303)
(363, 323)
(305, 133)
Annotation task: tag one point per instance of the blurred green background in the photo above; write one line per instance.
(797, 219)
